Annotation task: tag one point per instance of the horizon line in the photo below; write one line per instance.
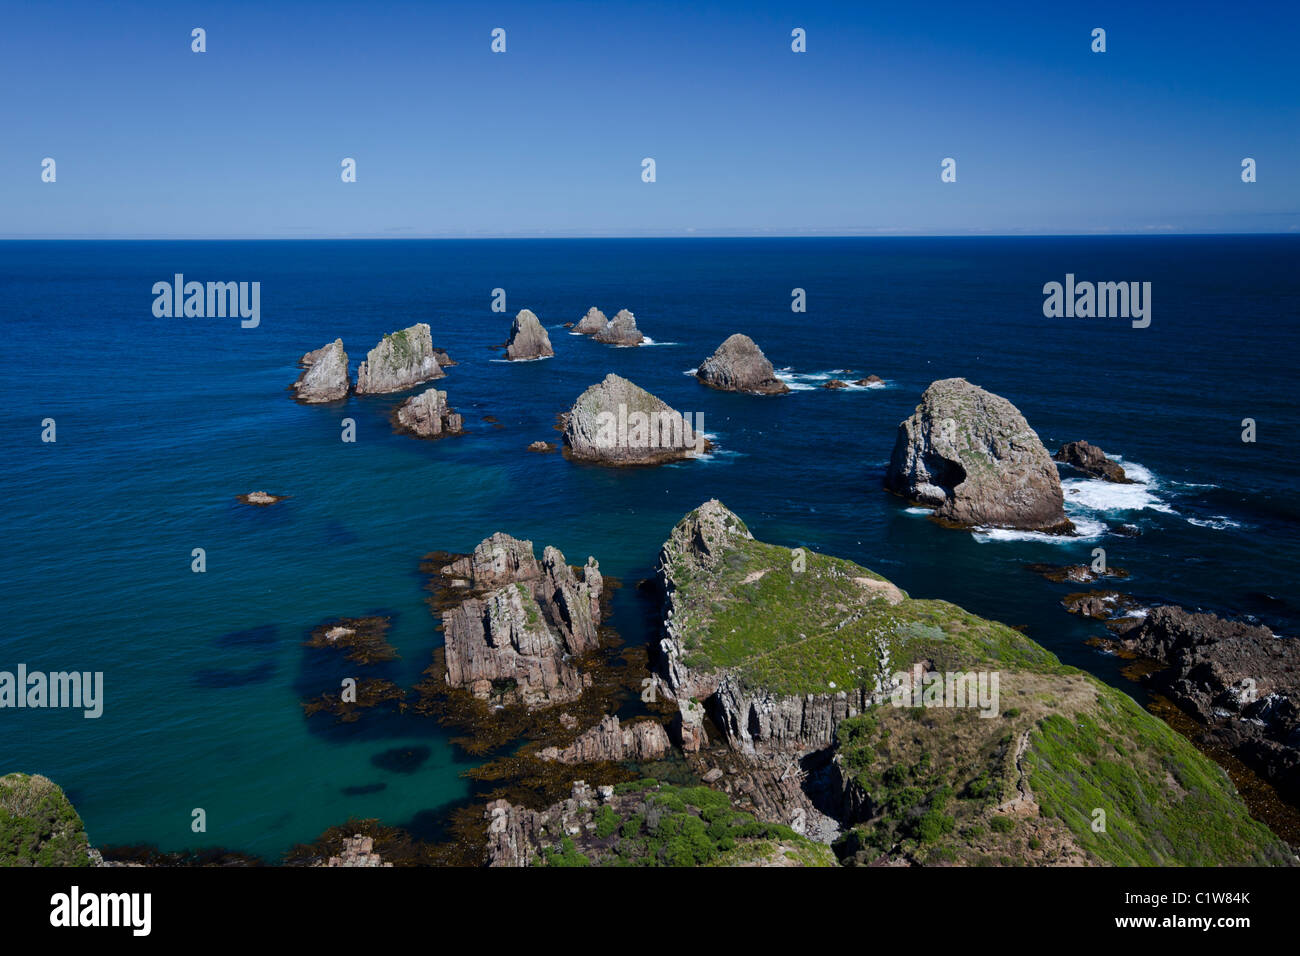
(518, 237)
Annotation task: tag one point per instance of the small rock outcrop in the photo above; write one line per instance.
(871, 381)
(640, 741)
(620, 330)
(592, 322)
(514, 642)
(971, 456)
(528, 339)
(739, 365)
(427, 415)
(402, 360)
(358, 850)
(543, 447)
(260, 499)
(325, 378)
(1091, 460)
(835, 383)
(616, 422)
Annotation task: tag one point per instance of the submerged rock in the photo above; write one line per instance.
(971, 456)
(592, 322)
(325, 378)
(427, 415)
(402, 360)
(616, 422)
(620, 330)
(1091, 460)
(528, 339)
(739, 365)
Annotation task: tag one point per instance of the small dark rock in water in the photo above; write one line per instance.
(1099, 605)
(360, 790)
(260, 498)
(542, 446)
(402, 759)
(370, 693)
(1092, 461)
(1074, 573)
(1128, 530)
(835, 383)
(363, 638)
(870, 381)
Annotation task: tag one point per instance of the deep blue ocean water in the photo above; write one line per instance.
(161, 422)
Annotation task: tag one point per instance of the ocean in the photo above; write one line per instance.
(161, 422)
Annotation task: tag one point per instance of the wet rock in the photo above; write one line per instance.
(1091, 460)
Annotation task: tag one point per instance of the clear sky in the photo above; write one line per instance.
(748, 137)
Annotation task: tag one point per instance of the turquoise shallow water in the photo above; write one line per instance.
(161, 422)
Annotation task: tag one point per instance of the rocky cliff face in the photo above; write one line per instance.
(971, 456)
(1240, 681)
(427, 415)
(402, 360)
(739, 365)
(620, 330)
(640, 741)
(591, 323)
(618, 423)
(1091, 460)
(326, 376)
(516, 638)
(528, 339)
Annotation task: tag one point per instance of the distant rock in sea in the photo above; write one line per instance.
(1092, 461)
(971, 456)
(620, 330)
(402, 360)
(835, 383)
(871, 381)
(739, 365)
(515, 641)
(260, 498)
(444, 360)
(325, 378)
(427, 415)
(592, 322)
(542, 446)
(528, 339)
(616, 422)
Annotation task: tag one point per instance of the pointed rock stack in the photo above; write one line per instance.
(402, 360)
(326, 376)
(528, 339)
(739, 365)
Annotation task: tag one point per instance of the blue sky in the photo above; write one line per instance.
(749, 138)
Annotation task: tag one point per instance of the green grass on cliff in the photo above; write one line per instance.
(658, 824)
(38, 824)
(802, 631)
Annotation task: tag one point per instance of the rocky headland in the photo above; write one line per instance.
(971, 456)
(400, 361)
(739, 365)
